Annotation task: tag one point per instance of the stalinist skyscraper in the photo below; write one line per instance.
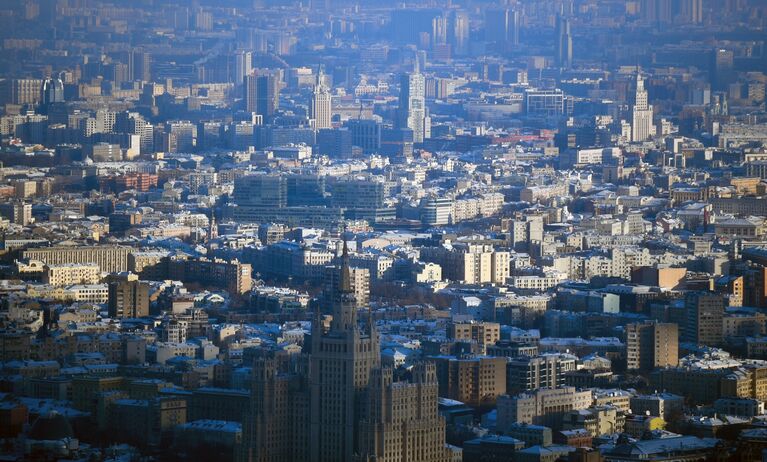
(412, 112)
(336, 403)
(320, 112)
(641, 114)
(341, 362)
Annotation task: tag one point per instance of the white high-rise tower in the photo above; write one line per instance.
(320, 110)
(641, 122)
(412, 105)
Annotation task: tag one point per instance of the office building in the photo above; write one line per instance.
(261, 191)
(650, 345)
(128, 297)
(474, 381)
(544, 371)
(262, 94)
(233, 276)
(52, 91)
(704, 313)
(544, 407)
(366, 134)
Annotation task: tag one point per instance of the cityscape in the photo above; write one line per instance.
(372, 231)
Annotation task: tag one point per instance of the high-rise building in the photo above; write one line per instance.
(642, 113)
(52, 91)
(651, 344)
(474, 381)
(320, 110)
(403, 423)
(458, 32)
(262, 94)
(691, 11)
(496, 25)
(360, 283)
(128, 297)
(344, 406)
(243, 65)
(722, 68)
(343, 357)
(366, 134)
(564, 42)
(704, 318)
(412, 106)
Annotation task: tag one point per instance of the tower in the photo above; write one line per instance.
(342, 359)
(52, 91)
(243, 65)
(320, 111)
(412, 105)
(212, 227)
(261, 94)
(564, 42)
(641, 117)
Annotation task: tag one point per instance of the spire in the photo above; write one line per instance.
(320, 81)
(346, 279)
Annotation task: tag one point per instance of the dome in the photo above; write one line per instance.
(53, 426)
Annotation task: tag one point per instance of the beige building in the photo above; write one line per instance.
(704, 318)
(616, 397)
(469, 262)
(230, 275)
(404, 423)
(546, 406)
(360, 281)
(151, 265)
(750, 227)
(128, 297)
(476, 381)
(544, 371)
(597, 420)
(111, 259)
(483, 333)
(71, 273)
(651, 344)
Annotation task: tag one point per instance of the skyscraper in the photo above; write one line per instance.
(243, 65)
(52, 91)
(458, 25)
(320, 109)
(337, 403)
(262, 94)
(641, 114)
(564, 42)
(412, 106)
(496, 25)
(502, 28)
(340, 367)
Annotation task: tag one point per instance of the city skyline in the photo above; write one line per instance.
(369, 231)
